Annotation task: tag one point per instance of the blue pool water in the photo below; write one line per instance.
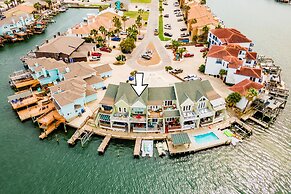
(205, 138)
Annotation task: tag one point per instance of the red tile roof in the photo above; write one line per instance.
(230, 35)
(230, 53)
(250, 72)
(243, 86)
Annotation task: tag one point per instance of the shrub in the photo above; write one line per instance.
(202, 68)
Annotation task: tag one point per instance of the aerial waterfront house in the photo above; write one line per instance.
(69, 49)
(236, 60)
(243, 88)
(71, 96)
(229, 36)
(15, 24)
(46, 70)
(92, 21)
(200, 16)
(185, 105)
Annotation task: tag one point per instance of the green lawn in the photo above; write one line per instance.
(161, 30)
(134, 14)
(140, 1)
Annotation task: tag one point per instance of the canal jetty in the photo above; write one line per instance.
(137, 145)
(104, 144)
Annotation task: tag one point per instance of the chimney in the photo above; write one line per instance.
(46, 41)
(59, 33)
(55, 36)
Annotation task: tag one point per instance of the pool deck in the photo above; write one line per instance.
(193, 146)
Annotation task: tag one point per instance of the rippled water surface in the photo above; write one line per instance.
(260, 164)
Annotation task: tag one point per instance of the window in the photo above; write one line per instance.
(124, 110)
(154, 120)
(248, 61)
(219, 61)
(120, 109)
(202, 105)
(187, 108)
(169, 119)
(168, 102)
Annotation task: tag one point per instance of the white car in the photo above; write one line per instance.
(123, 33)
(94, 58)
(191, 77)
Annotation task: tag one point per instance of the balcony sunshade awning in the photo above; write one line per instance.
(180, 139)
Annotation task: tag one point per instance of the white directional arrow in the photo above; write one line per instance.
(139, 87)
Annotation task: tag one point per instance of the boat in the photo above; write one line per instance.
(62, 9)
(162, 148)
(147, 148)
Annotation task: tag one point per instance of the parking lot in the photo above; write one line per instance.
(172, 19)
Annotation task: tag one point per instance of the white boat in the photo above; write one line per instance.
(147, 148)
(162, 148)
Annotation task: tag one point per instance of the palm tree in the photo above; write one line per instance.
(175, 45)
(94, 33)
(180, 51)
(124, 19)
(186, 9)
(140, 11)
(109, 34)
(233, 98)
(251, 94)
(100, 40)
(7, 2)
(37, 6)
(49, 3)
(139, 18)
(139, 25)
(117, 24)
(103, 30)
(132, 32)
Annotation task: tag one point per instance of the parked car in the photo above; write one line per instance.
(149, 52)
(199, 45)
(96, 54)
(165, 3)
(184, 34)
(180, 20)
(176, 71)
(177, 10)
(106, 49)
(183, 29)
(189, 55)
(115, 39)
(147, 57)
(204, 50)
(168, 34)
(168, 27)
(191, 77)
(176, 4)
(94, 58)
(156, 32)
(168, 46)
(179, 15)
(140, 37)
(166, 15)
(123, 33)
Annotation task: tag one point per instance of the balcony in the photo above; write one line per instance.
(189, 115)
(123, 117)
(172, 107)
(155, 114)
(205, 112)
(137, 118)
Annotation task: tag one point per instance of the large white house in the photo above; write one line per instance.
(242, 88)
(239, 63)
(229, 36)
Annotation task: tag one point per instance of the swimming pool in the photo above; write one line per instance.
(205, 138)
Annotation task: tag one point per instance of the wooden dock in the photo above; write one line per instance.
(137, 145)
(76, 136)
(259, 122)
(35, 111)
(103, 145)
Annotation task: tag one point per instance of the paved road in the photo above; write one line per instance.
(150, 37)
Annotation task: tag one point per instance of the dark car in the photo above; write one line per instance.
(106, 49)
(180, 20)
(96, 54)
(168, 34)
(166, 15)
(165, 3)
(115, 38)
(168, 46)
(183, 29)
(184, 35)
(204, 50)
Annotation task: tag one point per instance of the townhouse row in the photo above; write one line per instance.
(185, 105)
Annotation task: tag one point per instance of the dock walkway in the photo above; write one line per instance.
(137, 145)
(103, 145)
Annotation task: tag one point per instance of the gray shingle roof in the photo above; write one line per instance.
(159, 94)
(180, 139)
(110, 94)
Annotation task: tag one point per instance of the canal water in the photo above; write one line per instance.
(260, 164)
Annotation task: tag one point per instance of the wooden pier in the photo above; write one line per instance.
(259, 122)
(103, 145)
(137, 145)
(35, 111)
